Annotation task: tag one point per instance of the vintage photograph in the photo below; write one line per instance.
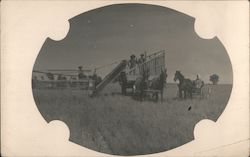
(132, 79)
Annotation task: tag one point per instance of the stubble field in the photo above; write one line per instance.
(116, 124)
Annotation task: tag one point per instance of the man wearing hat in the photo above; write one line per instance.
(142, 59)
(198, 82)
(80, 73)
(132, 61)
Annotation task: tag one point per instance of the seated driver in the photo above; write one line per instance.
(132, 61)
(198, 83)
(142, 59)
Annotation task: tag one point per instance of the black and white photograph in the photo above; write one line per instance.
(131, 79)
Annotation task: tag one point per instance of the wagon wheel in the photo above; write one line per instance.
(123, 82)
(123, 88)
(161, 95)
(156, 96)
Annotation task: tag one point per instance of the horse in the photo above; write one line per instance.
(123, 82)
(158, 83)
(185, 85)
(62, 81)
(141, 84)
(96, 78)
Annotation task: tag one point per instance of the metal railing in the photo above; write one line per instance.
(154, 63)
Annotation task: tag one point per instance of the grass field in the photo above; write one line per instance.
(116, 124)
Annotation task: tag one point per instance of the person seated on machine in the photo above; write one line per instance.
(198, 83)
(142, 59)
(132, 61)
(81, 74)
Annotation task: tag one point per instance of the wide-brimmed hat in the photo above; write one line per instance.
(132, 56)
(80, 67)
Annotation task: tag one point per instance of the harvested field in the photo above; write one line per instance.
(116, 124)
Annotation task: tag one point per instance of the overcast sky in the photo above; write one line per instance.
(112, 33)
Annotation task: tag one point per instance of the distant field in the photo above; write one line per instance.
(116, 124)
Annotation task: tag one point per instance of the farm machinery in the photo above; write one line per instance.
(147, 74)
(153, 65)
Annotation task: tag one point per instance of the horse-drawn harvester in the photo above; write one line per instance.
(145, 77)
(60, 79)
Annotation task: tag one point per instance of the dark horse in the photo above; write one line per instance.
(158, 84)
(185, 85)
(142, 84)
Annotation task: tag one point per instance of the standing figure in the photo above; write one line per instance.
(51, 77)
(80, 73)
(132, 61)
(62, 81)
(97, 79)
(34, 82)
(142, 59)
